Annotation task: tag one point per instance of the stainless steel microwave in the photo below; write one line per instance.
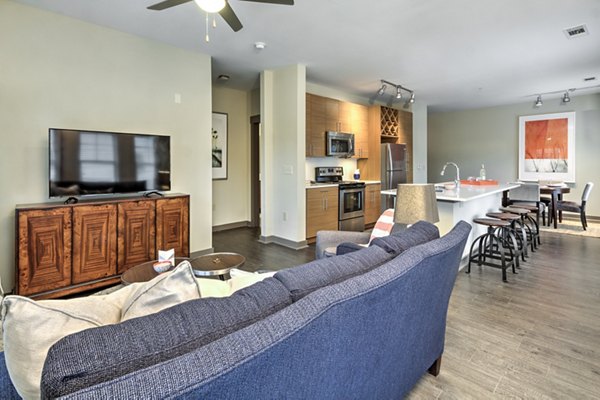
(340, 144)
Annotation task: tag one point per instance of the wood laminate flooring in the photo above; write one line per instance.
(535, 337)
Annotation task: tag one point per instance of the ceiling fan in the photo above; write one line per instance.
(217, 6)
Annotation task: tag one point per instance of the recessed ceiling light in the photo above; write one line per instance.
(260, 45)
(223, 78)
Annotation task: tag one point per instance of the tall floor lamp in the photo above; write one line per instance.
(415, 202)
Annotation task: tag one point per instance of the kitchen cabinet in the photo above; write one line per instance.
(354, 118)
(322, 115)
(387, 125)
(321, 210)
(372, 203)
(325, 114)
(69, 248)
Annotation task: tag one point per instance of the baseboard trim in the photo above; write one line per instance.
(199, 253)
(233, 225)
(283, 242)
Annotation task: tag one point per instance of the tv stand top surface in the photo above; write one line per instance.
(60, 202)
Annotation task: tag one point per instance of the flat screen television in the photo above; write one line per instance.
(92, 163)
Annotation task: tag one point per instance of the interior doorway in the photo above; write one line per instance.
(255, 171)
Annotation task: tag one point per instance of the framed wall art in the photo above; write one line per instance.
(547, 147)
(219, 145)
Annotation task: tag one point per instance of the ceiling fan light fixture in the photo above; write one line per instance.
(211, 6)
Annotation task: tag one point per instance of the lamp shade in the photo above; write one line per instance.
(415, 202)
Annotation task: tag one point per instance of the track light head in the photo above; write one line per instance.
(381, 91)
(566, 98)
(538, 101)
(398, 93)
(412, 98)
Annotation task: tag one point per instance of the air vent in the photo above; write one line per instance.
(576, 31)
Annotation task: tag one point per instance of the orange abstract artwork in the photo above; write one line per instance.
(546, 139)
(547, 147)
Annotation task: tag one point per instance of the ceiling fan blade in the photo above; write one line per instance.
(229, 16)
(167, 4)
(282, 2)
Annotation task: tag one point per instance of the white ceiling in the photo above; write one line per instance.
(455, 54)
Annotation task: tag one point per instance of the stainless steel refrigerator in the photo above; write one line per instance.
(393, 170)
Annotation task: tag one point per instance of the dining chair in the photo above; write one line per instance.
(572, 206)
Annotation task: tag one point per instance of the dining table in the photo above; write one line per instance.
(556, 194)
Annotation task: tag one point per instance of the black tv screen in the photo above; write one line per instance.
(89, 162)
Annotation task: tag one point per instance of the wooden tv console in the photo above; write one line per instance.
(63, 249)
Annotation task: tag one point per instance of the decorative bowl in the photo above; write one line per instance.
(161, 266)
(450, 186)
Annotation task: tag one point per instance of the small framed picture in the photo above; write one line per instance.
(219, 145)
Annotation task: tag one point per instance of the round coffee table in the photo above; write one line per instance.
(144, 272)
(217, 264)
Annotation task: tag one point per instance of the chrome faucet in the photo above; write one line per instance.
(457, 180)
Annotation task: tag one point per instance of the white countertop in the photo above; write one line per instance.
(324, 185)
(465, 192)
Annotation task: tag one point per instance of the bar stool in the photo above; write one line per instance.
(510, 234)
(531, 227)
(534, 221)
(491, 248)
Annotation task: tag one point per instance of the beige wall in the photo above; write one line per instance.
(491, 136)
(61, 72)
(231, 197)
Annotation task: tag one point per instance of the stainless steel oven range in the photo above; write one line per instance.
(351, 215)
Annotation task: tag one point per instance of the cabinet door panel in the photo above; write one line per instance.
(172, 225)
(372, 203)
(94, 242)
(44, 250)
(321, 210)
(136, 233)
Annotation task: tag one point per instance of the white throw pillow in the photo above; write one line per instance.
(239, 280)
(31, 327)
(164, 291)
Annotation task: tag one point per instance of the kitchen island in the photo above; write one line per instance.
(466, 203)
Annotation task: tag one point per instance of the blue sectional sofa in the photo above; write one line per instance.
(364, 325)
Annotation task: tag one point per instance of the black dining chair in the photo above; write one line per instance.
(574, 207)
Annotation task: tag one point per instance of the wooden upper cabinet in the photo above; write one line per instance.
(172, 225)
(44, 250)
(94, 242)
(136, 233)
(325, 114)
(355, 119)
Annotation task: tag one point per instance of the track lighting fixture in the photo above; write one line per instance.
(398, 95)
(566, 97)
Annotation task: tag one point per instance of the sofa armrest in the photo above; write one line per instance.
(327, 239)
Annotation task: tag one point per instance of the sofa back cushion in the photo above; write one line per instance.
(101, 354)
(303, 279)
(400, 241)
